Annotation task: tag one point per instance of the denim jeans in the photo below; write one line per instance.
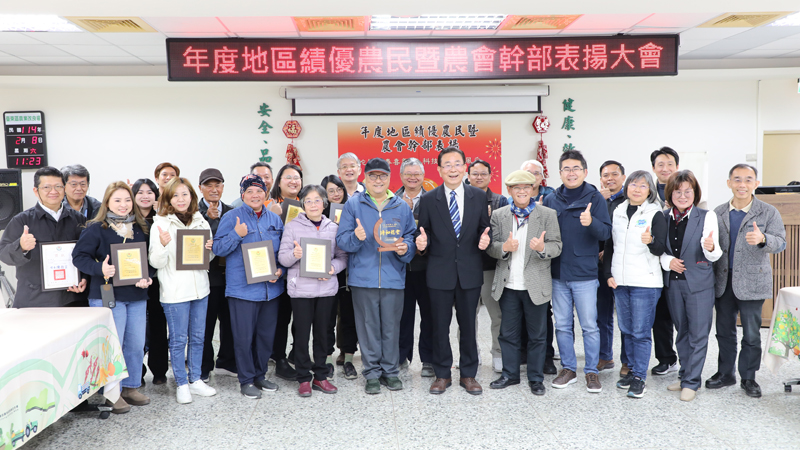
(636, 311)
(582, 296)
(186, 322)
(130, 319)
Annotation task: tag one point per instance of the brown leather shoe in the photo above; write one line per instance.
(605, 364)
(471, 385)
(440, 385)
(624, 370)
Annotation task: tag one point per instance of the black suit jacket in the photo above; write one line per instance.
(451, 260)
(216, 273)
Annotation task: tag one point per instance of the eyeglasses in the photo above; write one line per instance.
(480, 174)
(289, 178)
(335, 191)
(317, 201)
(536, 174)
(47, 188)
(685, 194)
(412, 174)
(611, 174)
(748, 180)
(375, 176)
(453, 166)
(349, 166)
(571, 169)
(521, 188)
(74, 184)
(641, 187)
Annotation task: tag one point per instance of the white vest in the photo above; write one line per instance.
(633, 264)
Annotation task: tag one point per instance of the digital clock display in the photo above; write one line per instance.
(26, 147)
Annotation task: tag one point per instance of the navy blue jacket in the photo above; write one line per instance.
(578, 259)
(90, 252)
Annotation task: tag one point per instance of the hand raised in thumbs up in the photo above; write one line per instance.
(755, 237)
(647, 238)
(586, 216)
(298, 251)
(164, 237)
(708, 242)
(485, 239)
(510, 245)
(108, 269)
(537, 244)
(360, 233)
(422, 240)
(27, 241)
(240, 228)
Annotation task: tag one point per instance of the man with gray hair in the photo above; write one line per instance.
(537, 169)
(348, 167)
(76, 185)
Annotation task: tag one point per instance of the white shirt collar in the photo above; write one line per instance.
(55, 214)
(459, 190)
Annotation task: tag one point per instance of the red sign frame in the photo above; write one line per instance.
(240, 59)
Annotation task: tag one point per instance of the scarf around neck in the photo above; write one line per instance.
(122, 225)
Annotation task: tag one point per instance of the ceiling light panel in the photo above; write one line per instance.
(792, 20)
(438, 22)
(36, 22)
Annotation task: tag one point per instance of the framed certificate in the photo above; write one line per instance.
(191, 250)
(58, 273)
(259, 262)
(316, 260)
(289, 210)
(130, 261)
(336, 212)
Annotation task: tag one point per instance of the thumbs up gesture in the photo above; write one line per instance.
(586, 216)
(422, 240)
(485, 239)
(298, 251)
(510, 245)
(647, 238)
(537, 244)
(708, 242)
(605, 192)
(540, 201)
(27, 241)
(360, 233)
(754, 237)
(108, 269)
(240, 228)
(164, 237)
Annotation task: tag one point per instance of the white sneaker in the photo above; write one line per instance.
(184, 395)
(202, 389)
(497, 365)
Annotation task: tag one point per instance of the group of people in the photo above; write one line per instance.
(534, 257)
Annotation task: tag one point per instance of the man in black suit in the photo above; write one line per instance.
(211, 207)
(454, 232)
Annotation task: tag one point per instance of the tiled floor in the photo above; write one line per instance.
(413, 419)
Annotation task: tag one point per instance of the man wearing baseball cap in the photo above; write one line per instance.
(377, 278)
(212, 208)
(525, 237)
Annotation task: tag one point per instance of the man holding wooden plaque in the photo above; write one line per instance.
(376, 229)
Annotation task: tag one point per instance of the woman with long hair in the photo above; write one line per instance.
(184, 293)
(118, 221)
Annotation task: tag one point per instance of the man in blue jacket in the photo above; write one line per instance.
(583, 219)
(377, 278)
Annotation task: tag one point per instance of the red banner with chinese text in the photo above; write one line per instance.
(397, 141)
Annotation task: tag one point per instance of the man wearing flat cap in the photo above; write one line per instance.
(525, 237)
(211, 207)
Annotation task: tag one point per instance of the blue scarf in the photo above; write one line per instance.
(522, 213)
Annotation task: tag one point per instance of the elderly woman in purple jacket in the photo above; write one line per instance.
(312, 298)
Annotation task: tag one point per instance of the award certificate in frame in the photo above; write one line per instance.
(290, 209)
(388, 234)
(130, 260)
(336, 212)
(191, 250)
(316, 260)
(259, 262)
(58, 272)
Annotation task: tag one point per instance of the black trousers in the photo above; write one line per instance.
(466, 303)
(727, 308)
(416, 292)
(515, 305)
(550, 351)
(308, 312)
(343, 321)
(282, 327)
(253, 325)
(663, 332)
(158, 345)
(218, 309)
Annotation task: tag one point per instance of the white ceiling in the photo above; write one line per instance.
(114, 53)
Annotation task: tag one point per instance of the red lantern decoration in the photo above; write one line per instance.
(292, 157)
(541, 124)
(292, 129)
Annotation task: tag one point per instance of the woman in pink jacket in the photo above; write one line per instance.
(312, 298)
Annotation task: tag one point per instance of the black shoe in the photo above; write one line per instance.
(330, 371)
(720, 381)
(625, 381)
(637, 388)
(284, 370)
(205, 376)
(549, 367)
(537, 387)
(502, 383)
(665, 368)
(159, 380)
(350, 372)
(751, 388)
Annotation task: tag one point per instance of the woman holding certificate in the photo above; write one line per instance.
(118, 221)
(309, 252)
(245, 236)
(174, 249)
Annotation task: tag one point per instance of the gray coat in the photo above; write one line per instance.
(537, 265)
(752, 274)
